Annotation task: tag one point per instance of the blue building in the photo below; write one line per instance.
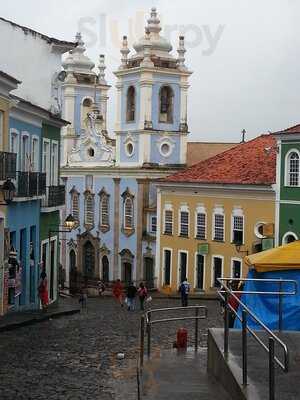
(110, 183)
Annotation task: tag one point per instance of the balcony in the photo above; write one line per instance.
(8, 163)
(30, 184)
(55, 196)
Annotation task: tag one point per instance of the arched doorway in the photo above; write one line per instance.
(149, 272)
(105, 269)
(72, 271)
(127, 258)
(88, 260)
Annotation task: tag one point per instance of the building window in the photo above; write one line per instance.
(217, 271)
(46, 160)
(128, 213)
(153, 224)
(130, 115)
(238, 229)
(219, 227)
(25, 153)
(167, 267)
(201, 226)
(104, 210)
(236, 268)
(14, 144)
(89, 210)
(54, 164)
(166, 104)
(168, 222)
(35, 154)
(75, 204)
(184, 223)
(293, 169)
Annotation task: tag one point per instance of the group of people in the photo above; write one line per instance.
(132, 293)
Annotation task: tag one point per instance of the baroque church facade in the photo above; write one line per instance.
(110, 182)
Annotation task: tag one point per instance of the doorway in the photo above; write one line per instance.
(105, 269)
(182, 266)
(127, 272)
(149, 272)
(72, 271)
(88, 260)
(200, 272)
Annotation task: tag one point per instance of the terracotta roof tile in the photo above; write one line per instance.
(292, 129)
(249, 163)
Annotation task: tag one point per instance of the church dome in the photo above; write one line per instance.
(158, 45)
(77, 61)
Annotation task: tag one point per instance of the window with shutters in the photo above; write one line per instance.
(218, 227)
(184, 223)
(200, 225)
(104, 211)
(238, 229)
(89, 211)
(168, 228)
(293, 169)
(75, 205)
(128, 213)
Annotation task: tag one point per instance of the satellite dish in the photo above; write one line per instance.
(62, 76)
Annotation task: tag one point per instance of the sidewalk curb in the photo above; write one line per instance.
(35, 320)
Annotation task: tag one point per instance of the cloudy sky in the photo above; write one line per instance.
(244, 53)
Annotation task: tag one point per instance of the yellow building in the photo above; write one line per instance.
(7, 168)
(214, 213)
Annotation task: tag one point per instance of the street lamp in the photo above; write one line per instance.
(70, 222)
(8, 190)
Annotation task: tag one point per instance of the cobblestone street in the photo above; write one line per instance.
(75, 357)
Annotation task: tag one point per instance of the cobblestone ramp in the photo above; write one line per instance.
(180, 376)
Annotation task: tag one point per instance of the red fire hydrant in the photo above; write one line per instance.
(182, 336)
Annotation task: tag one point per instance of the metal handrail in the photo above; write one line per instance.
(246, 311)
(146, 320)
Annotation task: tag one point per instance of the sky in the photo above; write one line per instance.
(243, 54)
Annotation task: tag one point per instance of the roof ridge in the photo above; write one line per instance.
(42, 35)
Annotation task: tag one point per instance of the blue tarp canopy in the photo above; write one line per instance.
(266, 307)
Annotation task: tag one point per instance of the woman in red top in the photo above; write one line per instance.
(43, 290)
(118, 292)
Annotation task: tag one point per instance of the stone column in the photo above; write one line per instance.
(140, 214)
(116, 249)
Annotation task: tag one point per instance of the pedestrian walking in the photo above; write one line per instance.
(131, 294)
(142, 293)
(83, 298)
(43, 290)
(184, 289)
(117, 290)
(101, 288)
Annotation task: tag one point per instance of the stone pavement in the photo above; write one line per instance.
(75, 357)
(180, 376)
(65, 306)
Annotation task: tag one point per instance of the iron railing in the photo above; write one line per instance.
(225, 292)
(8, 165)
(55, 196)
(147, 322)
(30, 184)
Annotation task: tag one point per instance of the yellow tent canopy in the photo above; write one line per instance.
(280, 258)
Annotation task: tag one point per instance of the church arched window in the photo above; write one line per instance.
(130, 115)
(85, 109)
(166, 104)
(104, 211)
(75, 205)
(128, 213)
(89, 210)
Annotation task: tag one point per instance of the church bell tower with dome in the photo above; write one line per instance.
(151, 121)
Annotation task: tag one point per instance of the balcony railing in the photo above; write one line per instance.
(55, 196)
(30, 184)
(8, 163)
